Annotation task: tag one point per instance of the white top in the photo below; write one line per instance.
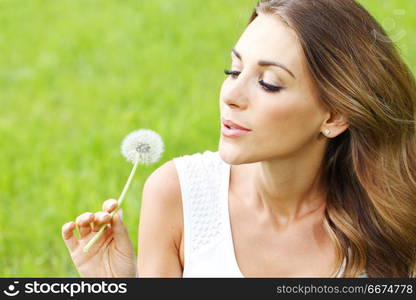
(208, 244)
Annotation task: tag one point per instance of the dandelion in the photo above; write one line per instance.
(142, 146)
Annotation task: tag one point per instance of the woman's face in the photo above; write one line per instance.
(278, 103)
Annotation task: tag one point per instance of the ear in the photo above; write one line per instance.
(336, 123)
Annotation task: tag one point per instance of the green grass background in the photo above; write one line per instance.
(77, 75)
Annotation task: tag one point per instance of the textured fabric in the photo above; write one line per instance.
(208, 245)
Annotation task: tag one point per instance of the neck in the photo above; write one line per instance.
(286, 190)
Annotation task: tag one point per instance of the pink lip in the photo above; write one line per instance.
(229, 123)
(227, 132)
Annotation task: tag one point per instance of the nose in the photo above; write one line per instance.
(235, 92)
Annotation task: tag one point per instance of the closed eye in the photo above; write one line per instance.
(266, 86)
(270, 87)
(234, 74)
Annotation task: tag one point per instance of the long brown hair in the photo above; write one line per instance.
(369, 169)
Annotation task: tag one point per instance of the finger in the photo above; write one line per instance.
(117, 223)
(109, 205)
(68, 236)
(102, 240)
(119, 229)
(120, 232)
(83, 223)
(100, 219)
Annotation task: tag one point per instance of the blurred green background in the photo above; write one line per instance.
(77, 75)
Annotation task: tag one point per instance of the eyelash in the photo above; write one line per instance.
(267, 87)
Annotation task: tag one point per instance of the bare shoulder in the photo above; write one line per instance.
(162, 195)
(160, 228)
(164, 181)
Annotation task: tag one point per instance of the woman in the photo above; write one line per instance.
(318, 181)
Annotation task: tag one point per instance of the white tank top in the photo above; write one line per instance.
(208, 244)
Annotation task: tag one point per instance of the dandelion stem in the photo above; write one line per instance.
(119, 202)
(120, 199)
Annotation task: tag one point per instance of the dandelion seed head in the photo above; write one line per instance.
(143, 145)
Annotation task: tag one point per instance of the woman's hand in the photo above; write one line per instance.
(112, 255)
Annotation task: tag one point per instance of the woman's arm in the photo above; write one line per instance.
(161, 224)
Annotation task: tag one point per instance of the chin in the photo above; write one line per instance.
(231, 155)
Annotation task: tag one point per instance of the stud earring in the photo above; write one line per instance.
(327, 131)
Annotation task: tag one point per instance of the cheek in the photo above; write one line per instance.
(286, 128)
(280, 114)
(292, 118)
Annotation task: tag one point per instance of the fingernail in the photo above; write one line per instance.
(120, 213)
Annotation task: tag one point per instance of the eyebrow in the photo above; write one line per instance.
(265, 63)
